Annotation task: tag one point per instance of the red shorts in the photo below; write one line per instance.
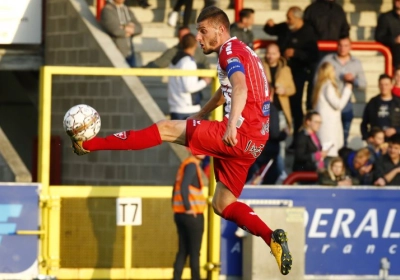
(231, 164)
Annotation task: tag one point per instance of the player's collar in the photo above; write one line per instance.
(230, 39)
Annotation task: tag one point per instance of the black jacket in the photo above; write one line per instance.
(370, 115)
(303, 41)
(383, 166)
(387, 29)
(328, 20)
(304, 153)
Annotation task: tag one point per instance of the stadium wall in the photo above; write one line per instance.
(74, 38)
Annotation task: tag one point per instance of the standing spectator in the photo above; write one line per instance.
(174, 15)
(336, 174)
(328, 20)
(376, 143)
(121, 24)
(188, 204)
(242, 29)
(328, 102)
(387, 31)
(308, 154)
(387, 168)
(183, 91)
(382, 110)
(348, 69)
(164, 60)
(396, 82)
(298, 44)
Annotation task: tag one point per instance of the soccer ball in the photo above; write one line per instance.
(82, 122)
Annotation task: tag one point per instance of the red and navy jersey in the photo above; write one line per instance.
(234, 56)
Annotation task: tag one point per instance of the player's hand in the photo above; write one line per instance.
(270, 22)
(380, 182)
(348, 77)
(390, 131)
(229, 137)
(289, 53)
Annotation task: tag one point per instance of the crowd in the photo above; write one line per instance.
(293, 65)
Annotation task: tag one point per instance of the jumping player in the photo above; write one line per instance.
(234, 143)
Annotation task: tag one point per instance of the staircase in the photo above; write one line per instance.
(158, 36)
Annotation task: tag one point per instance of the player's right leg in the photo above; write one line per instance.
(165, 130)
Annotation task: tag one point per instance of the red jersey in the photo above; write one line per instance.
(396, 91)
(254, 120)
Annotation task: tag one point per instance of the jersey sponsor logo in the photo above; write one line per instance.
(253, 149)
(196, 122)
(265, 108)
(121, 135)
(233, 59)
(228, 48)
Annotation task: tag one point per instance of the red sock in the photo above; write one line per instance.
(246, 219)
(126, 140)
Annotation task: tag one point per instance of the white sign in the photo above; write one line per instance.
(20, 22)
(129, 211)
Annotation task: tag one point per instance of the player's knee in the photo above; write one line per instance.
(217, 207)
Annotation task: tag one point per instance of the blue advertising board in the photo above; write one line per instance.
(18, 211)
(348, 230)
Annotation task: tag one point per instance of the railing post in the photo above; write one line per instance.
(238, 8)
(99, 6)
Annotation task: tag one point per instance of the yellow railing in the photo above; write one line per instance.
(51, 196)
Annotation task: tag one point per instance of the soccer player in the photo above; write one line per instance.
(234, 143)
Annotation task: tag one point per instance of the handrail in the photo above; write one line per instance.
(99, 6)
(238, 8)
(301, 176)
(357, 46)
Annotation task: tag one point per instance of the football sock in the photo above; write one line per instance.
(245, 218)
(126, 140)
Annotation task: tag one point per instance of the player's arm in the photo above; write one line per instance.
(215, 101)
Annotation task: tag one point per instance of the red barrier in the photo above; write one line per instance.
(99, 6)
(238, 8)
(301, 176)
(357, 46)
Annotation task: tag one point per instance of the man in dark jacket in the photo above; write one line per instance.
(242, 28)
(328, 20)
(382, 111)
(387, 31)
(298, 44)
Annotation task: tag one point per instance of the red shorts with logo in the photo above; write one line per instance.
(231, 164)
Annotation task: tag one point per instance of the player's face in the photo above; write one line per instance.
(208, 37)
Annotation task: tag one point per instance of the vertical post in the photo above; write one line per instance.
(238, 8)
(99, 6)
(214, 221)
(54, 206)
(128, 251)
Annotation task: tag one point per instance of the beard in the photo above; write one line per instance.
(213, 43)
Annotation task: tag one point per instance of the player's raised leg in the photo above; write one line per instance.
(226, 205)
(165, 130)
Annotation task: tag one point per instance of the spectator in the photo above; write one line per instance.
(387, 168)
(396, 82)
(308, 154)
(121, 24)
(242, 29)
(188, 204)
(336, 174)
(387, 31)
(359, 164)
(144, 4)
(328, 20)
(298, 44)
(174, 15)
(348, 69)
(166, 57)
(382, 110)
(183, 91)
(328, 102)
(376, 143)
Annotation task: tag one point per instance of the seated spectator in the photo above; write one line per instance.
(183, 96)
(242, 29)
(166, 57)
(121, 24)
(387, 168)
(174, 15)
(298, 44)
(308, 153)
(336, 174)
(328, 20)
(387, 31)
(358, 164)
(396, 82)
(348, 69)
(376, 143)
(382, 111)
(329, 102)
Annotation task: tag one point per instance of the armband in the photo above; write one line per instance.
(234, 67)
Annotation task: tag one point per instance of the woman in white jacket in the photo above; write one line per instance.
(328, 102)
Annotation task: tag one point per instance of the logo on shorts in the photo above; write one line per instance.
(265, 128)
(265, 108)
(121, 135)
(253, 149)
(195, 122)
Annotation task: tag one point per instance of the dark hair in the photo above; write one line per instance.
(375, 130)
(394, 139)
(188, 41)
(344, 38)
(384, 76)
(308, 117)
(215, 15)
(245, 13)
